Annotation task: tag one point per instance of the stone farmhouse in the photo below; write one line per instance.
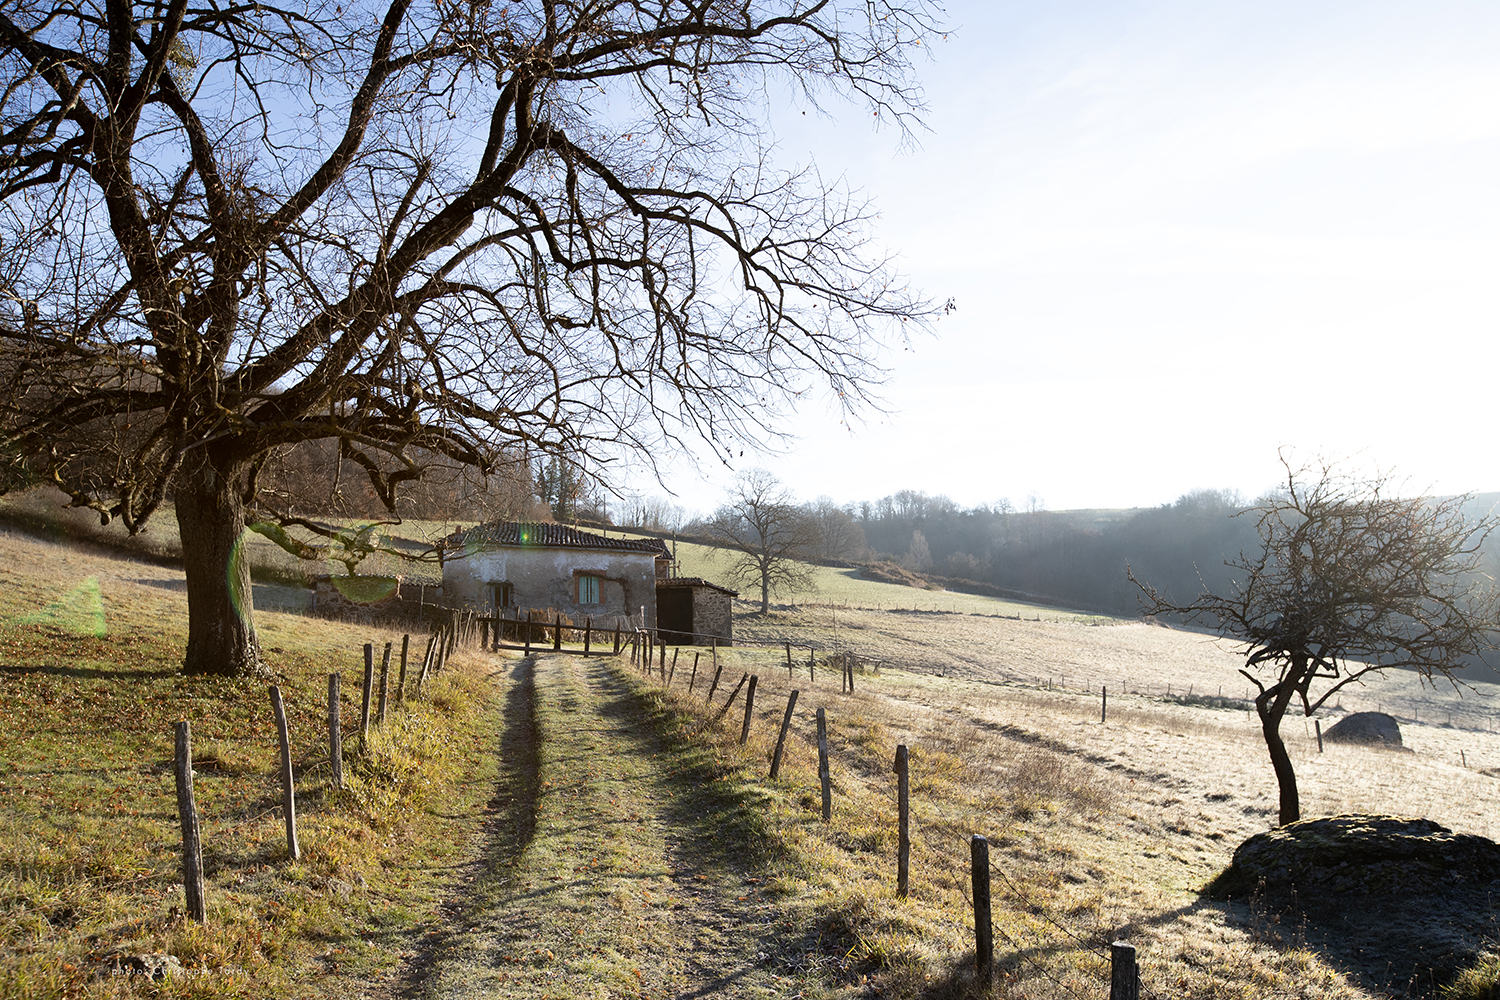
(508, 566)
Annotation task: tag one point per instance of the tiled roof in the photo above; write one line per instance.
(693, 581)
(534, 534)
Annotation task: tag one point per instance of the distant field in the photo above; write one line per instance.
(845, 588)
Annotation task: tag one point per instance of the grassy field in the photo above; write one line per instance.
(90, 867)
(573, 828)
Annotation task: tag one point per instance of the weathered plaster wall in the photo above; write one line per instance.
(545, 578)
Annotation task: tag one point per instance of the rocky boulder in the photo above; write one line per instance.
(1365, 727)
(1358, 855)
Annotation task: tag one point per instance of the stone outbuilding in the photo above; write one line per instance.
(693, 612)
(503, 565)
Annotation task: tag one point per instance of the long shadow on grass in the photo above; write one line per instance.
(509, 825)
(726, 821)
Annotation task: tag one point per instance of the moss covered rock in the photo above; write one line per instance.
(1358, 855)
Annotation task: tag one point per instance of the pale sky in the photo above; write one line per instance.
(1180, 235)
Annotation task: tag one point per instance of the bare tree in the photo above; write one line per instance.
(769, 533)
(839, 535)
(417, 228)
(1349, 580)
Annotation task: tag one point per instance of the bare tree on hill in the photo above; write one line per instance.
(416, 228)
(1349, 580)
(768, 532)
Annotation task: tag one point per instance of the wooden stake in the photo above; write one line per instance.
(694, 678)
(984, 937)
(187, 814)
(385, 676)
(1124, 974)
(364, 706)
(903, 828)
(786, 721)
(718, 671)
(335, 735)
(288, 790)
(749, 707)
(401, 677)
(823, 773)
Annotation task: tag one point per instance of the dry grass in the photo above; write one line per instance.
(1098, 831)
(90, 865)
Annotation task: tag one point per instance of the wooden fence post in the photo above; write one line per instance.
(426, 662)
(187, 813)
(749, 707)
(617, 637)
(1318, 725)
(335, 736)
(401, 677)
(1103, 703)
(984, 936)
(364, 707)
(718, 670)
(588, 633)
(694, 679)
(288, 789)
(385, 678)
(810, 668)
(732, 695)
(557, 633)
(1124, 974)
(786, 722)
(849, 666)
(903, 814)
(673, 672)
(823, 773)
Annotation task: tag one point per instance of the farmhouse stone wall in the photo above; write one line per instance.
(376, 599)
(548, 579)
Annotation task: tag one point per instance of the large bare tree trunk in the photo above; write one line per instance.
(221, 617)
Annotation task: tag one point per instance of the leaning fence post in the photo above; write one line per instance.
(984, 937)
(1318, 725)
(187, 813)
(718, 671)
(823, 774)
(364, 706)
(401, 677)
(385, 679)
(1124, 975)
(694, 678)
(335, 736)
(749, 705)
(288, 790)
(786, 721)
(903, 828)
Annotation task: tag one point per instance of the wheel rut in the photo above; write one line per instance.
(605, 872)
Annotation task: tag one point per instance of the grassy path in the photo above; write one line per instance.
(617, 868)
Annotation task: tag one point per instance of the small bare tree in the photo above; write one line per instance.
(769, 533)
(1349, 580)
